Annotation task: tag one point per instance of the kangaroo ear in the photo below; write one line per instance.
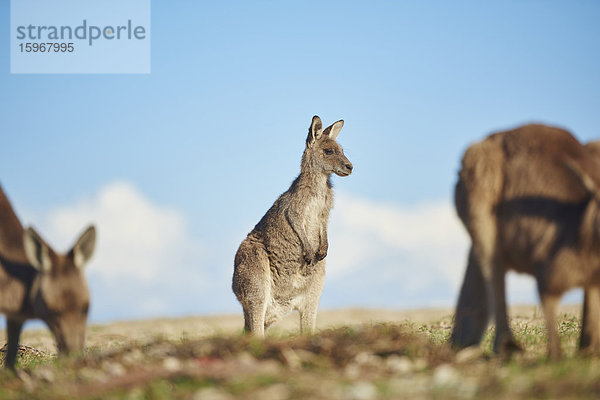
(36, 250)
(585, 179)
(84, 247)
(334, 130)
(315, 131)
(594, 147)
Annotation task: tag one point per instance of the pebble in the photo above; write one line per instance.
(468, 354)
(399, 364)
(367, 359)
(211, 393)
(113, 368)
(445, 375)
(361, 391)
(171, 364)
(352, 371)
(133, 357)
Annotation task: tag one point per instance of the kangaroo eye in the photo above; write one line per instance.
(328, 152)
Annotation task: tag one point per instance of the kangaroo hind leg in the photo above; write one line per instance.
(252, 285)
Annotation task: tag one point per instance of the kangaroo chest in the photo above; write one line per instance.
(314, 212)
(12, 293)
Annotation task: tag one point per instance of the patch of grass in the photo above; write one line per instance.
(27, 356)
(382, 360)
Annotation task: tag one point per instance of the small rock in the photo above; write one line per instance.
(113, 368)
(468, 354)
(132, 357)
(171, 364)
(399, 364)
(211, 393)
(367, 359)
(445, 375)
(361, 391)
(352, 371)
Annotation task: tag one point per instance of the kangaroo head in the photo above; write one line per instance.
(323, 151)
(59, 293)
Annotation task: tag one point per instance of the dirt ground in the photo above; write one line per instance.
(114, 334)
(355, 354)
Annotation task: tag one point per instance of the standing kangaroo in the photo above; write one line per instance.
(530, 201)
(36, 282)
(280, 265)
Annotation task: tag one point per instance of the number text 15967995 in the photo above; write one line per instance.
(46, 47)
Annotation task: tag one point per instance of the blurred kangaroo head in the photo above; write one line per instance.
(59, 293)
(323, 153)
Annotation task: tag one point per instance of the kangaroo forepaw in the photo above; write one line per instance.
(308, 259)
(321, 254)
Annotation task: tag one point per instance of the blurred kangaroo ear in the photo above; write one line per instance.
(84, 247)
(36, 250)
(315, 131)
(334, 130)
(585, 179)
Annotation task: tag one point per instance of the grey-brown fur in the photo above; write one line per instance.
(37, 283)
(589, 341)
(529, 199)
(280, 265)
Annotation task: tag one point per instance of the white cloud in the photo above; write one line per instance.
(146, 261)
(403, 255)
(136, 239)
(429, 234)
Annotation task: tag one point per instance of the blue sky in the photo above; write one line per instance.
(208, 139)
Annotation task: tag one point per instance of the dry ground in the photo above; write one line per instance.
(193, 327)
(356, 354)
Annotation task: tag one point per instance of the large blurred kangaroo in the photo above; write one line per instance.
(36, 282)
(280, 265)
(529, 199)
